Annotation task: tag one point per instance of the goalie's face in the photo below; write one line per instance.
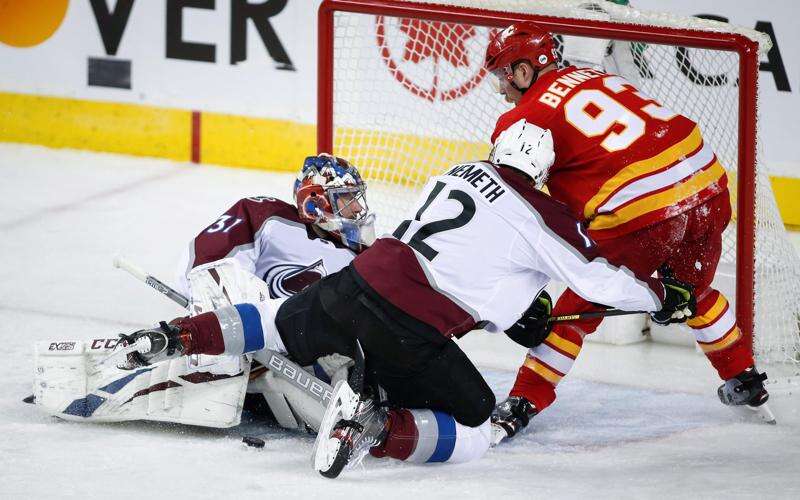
(349, 204)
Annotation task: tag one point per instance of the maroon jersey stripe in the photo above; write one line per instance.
(238, 227)
(393, 271)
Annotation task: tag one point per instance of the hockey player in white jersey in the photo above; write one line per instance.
(478, 246)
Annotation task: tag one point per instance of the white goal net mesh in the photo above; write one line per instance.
(410, 99)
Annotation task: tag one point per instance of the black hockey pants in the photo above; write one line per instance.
(414, 363)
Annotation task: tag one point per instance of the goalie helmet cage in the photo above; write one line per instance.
(405, 108)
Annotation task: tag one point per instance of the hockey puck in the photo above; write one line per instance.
(253, 441)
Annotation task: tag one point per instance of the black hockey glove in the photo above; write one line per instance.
(167, 341)
(513, 414)
(533, 327)
(679, 302)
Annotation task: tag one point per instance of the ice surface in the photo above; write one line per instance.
(638, 421)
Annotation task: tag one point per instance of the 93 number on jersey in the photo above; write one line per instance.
(619, 124)
(417, 240)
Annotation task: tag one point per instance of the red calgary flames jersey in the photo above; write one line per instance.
(622, 160)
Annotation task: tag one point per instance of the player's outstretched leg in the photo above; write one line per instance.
(546, 364)
(231, 330)
(351, 428)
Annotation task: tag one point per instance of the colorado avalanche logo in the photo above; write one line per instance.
(285, 280)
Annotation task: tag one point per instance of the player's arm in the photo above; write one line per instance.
(593, 278)
(565, 252)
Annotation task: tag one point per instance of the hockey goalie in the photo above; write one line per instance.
(260, 249)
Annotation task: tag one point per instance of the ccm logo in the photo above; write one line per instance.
(61, 346)
(104, 343)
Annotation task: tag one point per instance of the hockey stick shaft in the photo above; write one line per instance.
(593, 314)
(159, 286)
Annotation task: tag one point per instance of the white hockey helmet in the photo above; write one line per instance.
(527, 148)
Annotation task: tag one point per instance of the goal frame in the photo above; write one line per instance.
(746, 48)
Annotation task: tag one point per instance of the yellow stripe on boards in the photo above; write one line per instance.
(404, 159)
(251, 142)
(787, 194)
(99, 126)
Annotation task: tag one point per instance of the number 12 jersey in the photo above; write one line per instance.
(480, 244)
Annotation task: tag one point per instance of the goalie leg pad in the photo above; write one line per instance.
(236, 330)
(72, 382)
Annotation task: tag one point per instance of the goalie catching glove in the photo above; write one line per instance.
(679, 302)
(534, 325)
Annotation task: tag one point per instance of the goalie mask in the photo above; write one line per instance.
(330, 193)
(527, 148)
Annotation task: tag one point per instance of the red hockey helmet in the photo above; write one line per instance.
(523, 41)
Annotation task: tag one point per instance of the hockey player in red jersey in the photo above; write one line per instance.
(647, 187)
(479, 244)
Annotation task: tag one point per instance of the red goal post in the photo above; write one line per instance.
(712, 36)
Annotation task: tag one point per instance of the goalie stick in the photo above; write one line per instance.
(121, 262)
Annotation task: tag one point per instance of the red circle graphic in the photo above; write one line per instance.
(434, 92)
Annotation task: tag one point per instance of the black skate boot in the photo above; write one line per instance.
(510, 416)
(746, 390)
(145, 347)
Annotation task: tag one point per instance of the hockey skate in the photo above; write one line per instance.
(746, 395)
(145, 347)
(350, 427)
(511, 416)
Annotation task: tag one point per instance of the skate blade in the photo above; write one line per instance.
(498, 435)
(755, 413)
(329, 452)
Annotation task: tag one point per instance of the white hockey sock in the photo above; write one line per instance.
(432, 436)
